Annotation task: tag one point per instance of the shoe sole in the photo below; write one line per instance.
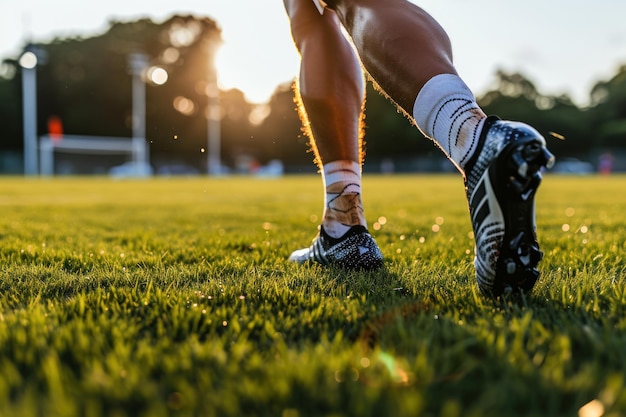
(520, 163)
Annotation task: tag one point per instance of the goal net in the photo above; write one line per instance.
(76, 154)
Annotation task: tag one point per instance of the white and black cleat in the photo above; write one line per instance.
(356, 249)
(501, 181)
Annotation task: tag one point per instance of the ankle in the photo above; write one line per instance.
(342, 213)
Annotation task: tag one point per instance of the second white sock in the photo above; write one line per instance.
(343, 207)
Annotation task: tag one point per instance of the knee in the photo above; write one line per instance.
(306, 22)
(304, 28)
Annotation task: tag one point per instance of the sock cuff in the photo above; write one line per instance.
(343, 170)
(439, 88)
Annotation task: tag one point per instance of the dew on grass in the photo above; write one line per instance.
(565, 227)
(382, 220)
(354, 374)
(569, 212)
(365, 362)
(339, 377)
(593, 408)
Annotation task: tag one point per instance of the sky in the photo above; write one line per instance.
(562, 46)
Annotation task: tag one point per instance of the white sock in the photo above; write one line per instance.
(343, 207)
(446, 111)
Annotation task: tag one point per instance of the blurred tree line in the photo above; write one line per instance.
(87, 84)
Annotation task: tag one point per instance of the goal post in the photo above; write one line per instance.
(135, 148)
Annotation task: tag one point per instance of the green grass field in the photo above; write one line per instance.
(172, 297)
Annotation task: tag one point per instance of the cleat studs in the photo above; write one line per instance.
(519, 187)
(519, 164)
(529, 158)
(522, 170)
(514, 244)
(532, 150)
(510, 267)
(548, 158)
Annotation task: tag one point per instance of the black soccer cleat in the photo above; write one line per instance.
(354, 250)
(501, 181)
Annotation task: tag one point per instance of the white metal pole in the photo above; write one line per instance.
(46, 156)
(138, 63)
(28, 61)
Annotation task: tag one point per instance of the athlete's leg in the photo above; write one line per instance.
(400, 44)
(404, 49)
(409, 55)
(331, 84)
(331, 91)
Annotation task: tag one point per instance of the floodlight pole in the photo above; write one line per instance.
(214, 162)
(28, 62)
(138, 62)
(214, 130)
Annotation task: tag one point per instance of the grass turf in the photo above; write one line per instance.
(172, 297)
